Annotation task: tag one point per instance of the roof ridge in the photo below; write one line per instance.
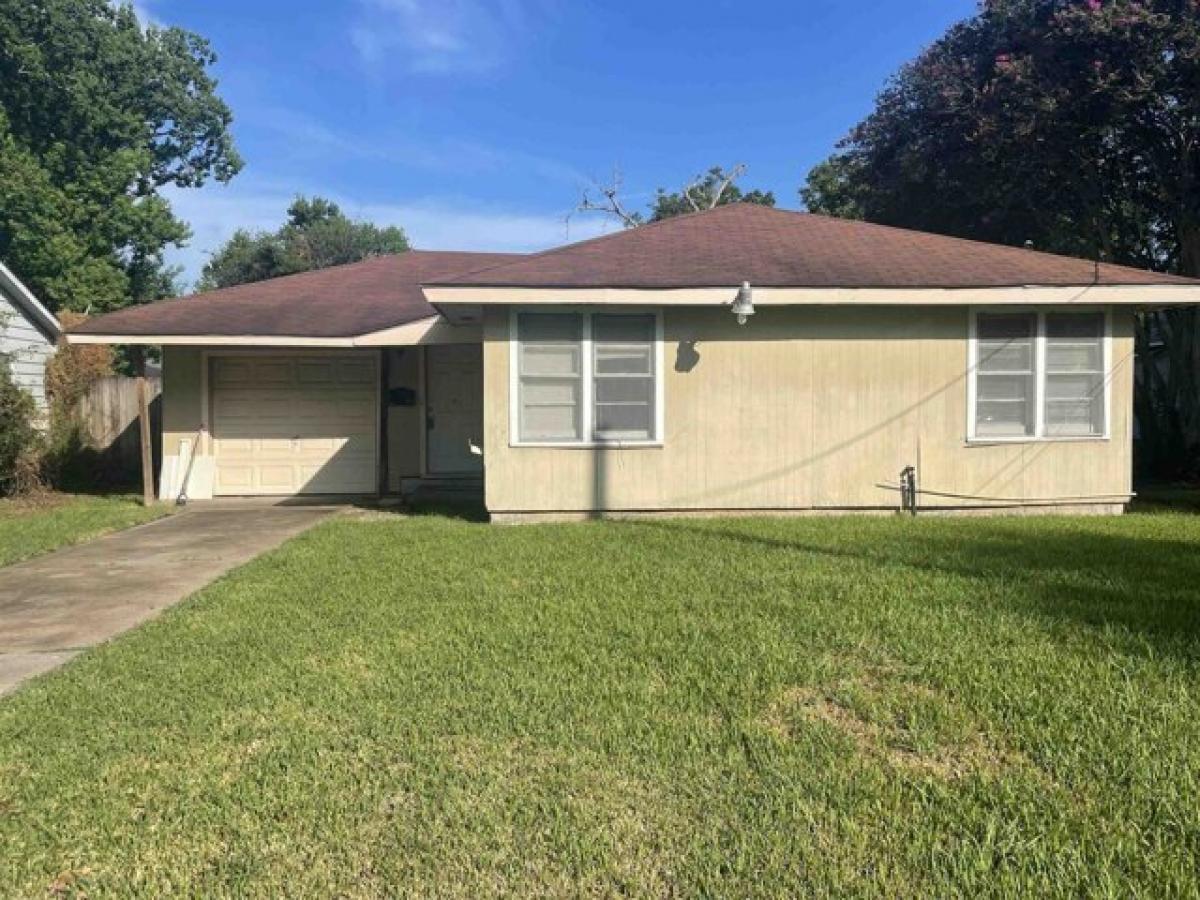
(813, 242)
(744, 206)
(646, 226)
(425, 251)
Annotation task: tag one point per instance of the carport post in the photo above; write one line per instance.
(144, 427)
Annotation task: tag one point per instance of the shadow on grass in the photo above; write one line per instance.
(1145, 584)
(38, 501)
(1158, 498)
(462, 510)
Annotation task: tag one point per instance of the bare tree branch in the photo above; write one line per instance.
(730, 177)
(609, 202)
(703, 192)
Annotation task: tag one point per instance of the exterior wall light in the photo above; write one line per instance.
(743, 304)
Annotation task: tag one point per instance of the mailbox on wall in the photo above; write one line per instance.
(402, 396)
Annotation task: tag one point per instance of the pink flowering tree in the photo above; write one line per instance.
(1070, 124)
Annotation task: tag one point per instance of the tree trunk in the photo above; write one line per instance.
(1167, 390)
(1189, 250)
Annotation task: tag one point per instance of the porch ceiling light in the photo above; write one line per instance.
(743, 303)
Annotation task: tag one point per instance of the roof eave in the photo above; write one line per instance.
(24, 298)
(429, 330)
(451, 296)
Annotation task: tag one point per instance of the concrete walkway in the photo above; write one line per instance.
(57, 605)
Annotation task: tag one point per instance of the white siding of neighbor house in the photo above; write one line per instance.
(26, 349)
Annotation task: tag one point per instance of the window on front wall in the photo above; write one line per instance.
(1075, 377)
(1039, 375)
(550, 361)
(586, 377)
(1005, 382)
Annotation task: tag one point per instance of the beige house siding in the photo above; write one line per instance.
(181, 397)
(405, 423)
(806, 408)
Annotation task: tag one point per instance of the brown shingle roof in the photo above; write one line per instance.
(341, 301)
(776, 248)
(717, 248)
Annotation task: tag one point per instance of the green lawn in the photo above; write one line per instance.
(431, 707)
(30, 528)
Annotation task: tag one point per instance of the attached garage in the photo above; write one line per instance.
(294, 423)
(338, 381)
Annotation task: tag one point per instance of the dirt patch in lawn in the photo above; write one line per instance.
(550, 805)
(906, 725)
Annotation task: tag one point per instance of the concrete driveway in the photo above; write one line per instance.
(57, 605)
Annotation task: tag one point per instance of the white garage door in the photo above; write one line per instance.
(303, 424)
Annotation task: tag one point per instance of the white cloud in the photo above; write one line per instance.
(298, 140)
(442, 36)
(216, 211)
(434, 224)
(305, 137)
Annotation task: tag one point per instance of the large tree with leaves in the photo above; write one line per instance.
(316, 234)
(97, 116)
(1071, 124)
(716, 187)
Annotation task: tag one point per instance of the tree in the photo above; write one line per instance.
(1036, 120)
(716, 187)
(316, 235)
(830, 188)
(1071, 124)
(97, 115)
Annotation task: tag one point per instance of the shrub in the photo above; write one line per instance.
(74, 367)
(72, 463)
(20, 442)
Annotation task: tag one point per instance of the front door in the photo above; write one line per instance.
(454, 408)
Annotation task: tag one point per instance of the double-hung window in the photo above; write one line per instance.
(586, 378)
(1039, 375)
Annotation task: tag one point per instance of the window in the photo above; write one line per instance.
(1039, 375)
(1074, 374)
(1004, 379)
(584, 378)
(551, 367)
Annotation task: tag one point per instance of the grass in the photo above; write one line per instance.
(819, 707)
(31, 527)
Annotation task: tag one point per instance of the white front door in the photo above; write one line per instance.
(294, 424)
(454, 408)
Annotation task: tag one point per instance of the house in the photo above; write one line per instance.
(740, 359)
(28, 335)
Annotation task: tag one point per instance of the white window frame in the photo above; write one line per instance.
(588, 413)
(1039, 374)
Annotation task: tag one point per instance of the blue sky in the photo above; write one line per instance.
(474, 124)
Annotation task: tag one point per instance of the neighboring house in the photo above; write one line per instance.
(28, 335)
(613, 376)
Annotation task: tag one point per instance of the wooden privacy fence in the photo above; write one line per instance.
(108, 418)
